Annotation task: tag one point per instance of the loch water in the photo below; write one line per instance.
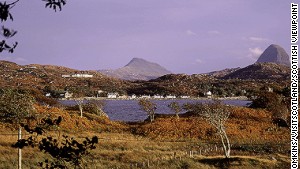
(130, 111)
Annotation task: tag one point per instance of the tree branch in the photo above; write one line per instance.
(13, 4)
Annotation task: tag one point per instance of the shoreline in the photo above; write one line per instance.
(191, 98)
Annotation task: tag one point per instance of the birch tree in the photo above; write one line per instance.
(176, 108)
(217, 114)
(99, 104)
(149, 107)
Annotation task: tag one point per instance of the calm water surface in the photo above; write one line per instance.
(129, 110)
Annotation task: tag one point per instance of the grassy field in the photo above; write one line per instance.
(166, 143)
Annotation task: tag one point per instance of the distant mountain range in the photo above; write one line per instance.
(49, 78)
(138, 69)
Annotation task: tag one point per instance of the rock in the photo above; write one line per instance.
(274, 54)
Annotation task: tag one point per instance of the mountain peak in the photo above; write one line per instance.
(138, 69)
(136, 61)
(275, 54)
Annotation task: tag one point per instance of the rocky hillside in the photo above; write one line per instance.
(137, 69)
(274, 54)
(222, 73)
(262, 71)
(48, 77)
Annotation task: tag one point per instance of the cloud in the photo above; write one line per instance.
(258, 39)
(199, 61)
(214, 32)
(254, 53)
(190, 33)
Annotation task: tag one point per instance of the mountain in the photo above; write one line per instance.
(261, 71)
(137, 69)
(274, 54)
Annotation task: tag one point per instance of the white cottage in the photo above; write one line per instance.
(112, 95)
(133, 96)
(158, 97)
(171, 97)
(209, 94)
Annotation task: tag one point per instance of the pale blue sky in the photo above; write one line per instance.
(191, 36)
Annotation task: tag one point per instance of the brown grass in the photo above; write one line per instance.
(165, 143)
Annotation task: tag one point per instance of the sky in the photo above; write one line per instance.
(184, 36)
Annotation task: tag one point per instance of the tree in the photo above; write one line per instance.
(5, 15)
(80, 101)
(217, 114)
(64, 152)
(16, 107)
(78, 95)
(276, 103)
(98, 107)
(176, 108)
(149, 107)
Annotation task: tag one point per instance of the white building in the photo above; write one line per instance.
(78, 76)
(171, 97)
(158, 97)
(185, 97)
(133, 96)
(66, 95)
(209, 94)
(112, 95)
(82, 75)
(65, 75)
(145, 97)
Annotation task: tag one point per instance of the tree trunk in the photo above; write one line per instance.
(226, 145)
(80, 109)
(20, 150)
(151, 117)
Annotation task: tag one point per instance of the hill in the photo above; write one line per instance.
(49, 77)
(137, 69)
(262, 71)
(222, 73)
(274, 54)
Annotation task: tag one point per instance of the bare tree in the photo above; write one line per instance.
(176, 108)
(148, 107)
(80, 101)
(217, 114)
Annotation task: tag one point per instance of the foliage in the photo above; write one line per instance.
(5, 14)
(148, 107)
(65, 152)
(92, 107)
(216, 115)
(55, 4)
(15, 105)
(175, 107)
(96, 107)
(276, 103)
